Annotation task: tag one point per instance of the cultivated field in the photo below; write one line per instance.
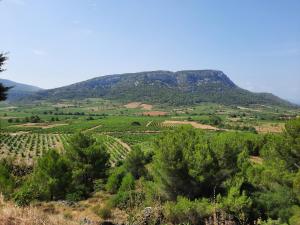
(28, 131)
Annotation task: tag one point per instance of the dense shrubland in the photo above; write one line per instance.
(189, 176)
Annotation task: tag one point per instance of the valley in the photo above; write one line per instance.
(143, 147)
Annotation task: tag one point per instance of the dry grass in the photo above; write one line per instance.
(270, 128)
(12, 215)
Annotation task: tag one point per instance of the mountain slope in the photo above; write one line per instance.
(18, 90)
(177, 88)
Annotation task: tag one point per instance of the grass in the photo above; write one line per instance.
(10, 214)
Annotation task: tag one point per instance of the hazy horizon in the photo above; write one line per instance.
(57, 43)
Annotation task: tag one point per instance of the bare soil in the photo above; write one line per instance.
(155, 113)
(194, 124)
(135, 105)
(41, 125)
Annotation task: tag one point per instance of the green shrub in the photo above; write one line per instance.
(135, 163)
(126, 195)
(186, 211)
(127, 183)
(7, 182)
(105, 212)
(26, 194)
(115, 179)
(99, 185)
(89, 161)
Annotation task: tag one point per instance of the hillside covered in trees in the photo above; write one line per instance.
(174, 88)
(18, 90)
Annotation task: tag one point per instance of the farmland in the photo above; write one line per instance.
(29, 130)
(130, 133)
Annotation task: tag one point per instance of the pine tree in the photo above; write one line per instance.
(3, 90)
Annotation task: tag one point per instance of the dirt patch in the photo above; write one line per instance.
(236, 119)
(249, 109)
(93, 128)
(41, 125)
(135, 105)
(256, 159)
(63, 105)
(147, 106)
(19, 133)
(194, 124)
(155, 113)
(132, 105)
(270, 128)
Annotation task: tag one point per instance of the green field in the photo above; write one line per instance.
(27, 131)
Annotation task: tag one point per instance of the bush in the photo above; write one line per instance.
(50, 180)
(89, 161)
(135, 123)
(99, 185)
(135, 163)
(104, 212)
(115, 179)
(186, 211)
(25, 195)
(125, 196)
(127, 183)
(7, 182)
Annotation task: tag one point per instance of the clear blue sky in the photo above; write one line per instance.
(58, 42)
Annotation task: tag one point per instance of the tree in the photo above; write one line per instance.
(285, 148)
(193, 164)
(53, 175)
(50, 180)
(135, 163)
(6, 179)
(90, 161)
(3, 58)
(3, 90)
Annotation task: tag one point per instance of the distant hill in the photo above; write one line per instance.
(18, 90)
(176, 88)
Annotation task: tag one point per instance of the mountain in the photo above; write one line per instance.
(176, 88)
(18, 90)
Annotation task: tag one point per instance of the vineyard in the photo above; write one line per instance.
(116, 149)
(159, 124)
(26, 147)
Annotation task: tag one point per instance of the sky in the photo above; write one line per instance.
(59, 42)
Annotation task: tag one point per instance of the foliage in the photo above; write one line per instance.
(105, 212)
(125, 195)
(3, 90)
(7, 182)
(188, 158)
(186, 211)
(135, 163)
(50, 180)
(89, 161)
(115, 179)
